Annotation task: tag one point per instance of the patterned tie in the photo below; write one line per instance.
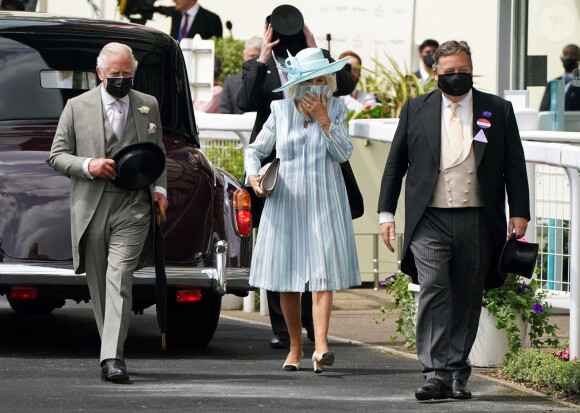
(455, 130)
(183, 31)
(118, 120)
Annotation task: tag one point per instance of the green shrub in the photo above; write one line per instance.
(231, 53)
(543, 370)
(229, 157)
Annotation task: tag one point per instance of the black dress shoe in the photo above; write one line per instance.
(114, 370)
(433, 389)
(460, 390)
(279, 342)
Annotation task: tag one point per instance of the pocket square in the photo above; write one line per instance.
(151, 129)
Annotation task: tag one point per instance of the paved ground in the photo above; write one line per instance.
(50, 364)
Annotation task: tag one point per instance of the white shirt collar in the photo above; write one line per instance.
(109, 100)
(424, 74)
(192, 11)
(463, 102)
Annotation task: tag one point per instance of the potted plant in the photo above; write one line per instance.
(517, 309)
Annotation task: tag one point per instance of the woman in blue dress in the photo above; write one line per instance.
(306, 239)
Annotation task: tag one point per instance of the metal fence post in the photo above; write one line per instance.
(574, 275)
(376, 260)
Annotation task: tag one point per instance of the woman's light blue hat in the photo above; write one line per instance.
(308, 64)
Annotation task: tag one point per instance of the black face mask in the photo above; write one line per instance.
(569, 64)
(118, 87)
(455, 84)
(428, 60)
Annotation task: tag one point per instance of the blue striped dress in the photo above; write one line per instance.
(305, 240)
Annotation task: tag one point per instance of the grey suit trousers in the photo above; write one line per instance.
(113, 242)
(452, 253)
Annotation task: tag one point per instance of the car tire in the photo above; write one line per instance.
(34, 307)
(193, 324)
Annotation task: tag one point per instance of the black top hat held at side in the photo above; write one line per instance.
(518, 257)
(138, 165)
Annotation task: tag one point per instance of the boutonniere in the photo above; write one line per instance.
(144, 110)
(484, 122)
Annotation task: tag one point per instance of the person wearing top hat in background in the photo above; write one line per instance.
(306, 237)
(284, 32)
(426, 50)
(460, 151)
(190, 19)
(112, 227)
(570, 57)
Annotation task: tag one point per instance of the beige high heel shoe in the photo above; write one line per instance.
(326, 359)
(293, 366)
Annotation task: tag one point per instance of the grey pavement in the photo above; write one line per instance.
(50, 364)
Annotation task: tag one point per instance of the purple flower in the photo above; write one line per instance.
(524, 289)
(538, 308)
(486, 114)
(392, 277)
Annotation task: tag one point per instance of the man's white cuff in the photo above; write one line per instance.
(86, 168)
(385, 216)
(161, 190)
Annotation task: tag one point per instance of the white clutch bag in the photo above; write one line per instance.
(270, 172)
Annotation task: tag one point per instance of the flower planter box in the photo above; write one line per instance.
(491, 344)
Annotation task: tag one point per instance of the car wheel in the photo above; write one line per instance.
(193, 324)
(34, 307)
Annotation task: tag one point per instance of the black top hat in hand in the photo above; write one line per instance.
(518, 257)
(138, 165)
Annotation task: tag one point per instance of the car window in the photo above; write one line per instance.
(32, 64)
(67, 79)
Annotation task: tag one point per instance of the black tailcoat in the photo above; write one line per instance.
(416, 152)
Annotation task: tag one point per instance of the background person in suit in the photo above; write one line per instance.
(461, 151)
(191, 19)
(570, 57)
(284, 31)
(112, 228)
(426, 50)
(233, 83)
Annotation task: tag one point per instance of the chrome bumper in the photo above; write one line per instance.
(218, 278)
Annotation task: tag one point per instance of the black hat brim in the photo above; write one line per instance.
(138, 165)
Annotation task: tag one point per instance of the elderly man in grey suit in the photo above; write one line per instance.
(461, 152)
(112, 228)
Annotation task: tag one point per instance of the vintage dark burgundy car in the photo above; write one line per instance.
(46, 60)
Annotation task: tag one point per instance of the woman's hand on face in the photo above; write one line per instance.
(255, 184)
(267, 44)
(312, 105)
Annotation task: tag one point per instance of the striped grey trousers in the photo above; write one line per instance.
(452, 254)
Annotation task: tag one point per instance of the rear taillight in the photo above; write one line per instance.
(23, 293)
(188, 296)
(243, 212)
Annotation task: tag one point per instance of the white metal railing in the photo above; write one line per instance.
(540, 147)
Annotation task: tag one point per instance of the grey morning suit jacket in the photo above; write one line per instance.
(80, 135)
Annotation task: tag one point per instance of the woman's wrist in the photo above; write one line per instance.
(323, 124)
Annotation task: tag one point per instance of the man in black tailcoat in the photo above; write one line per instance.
(460, 150)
